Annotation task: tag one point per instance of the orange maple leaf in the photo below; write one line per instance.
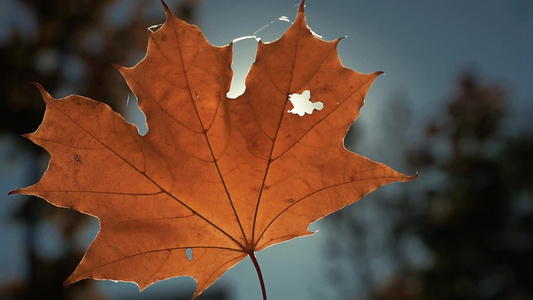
(221, 177)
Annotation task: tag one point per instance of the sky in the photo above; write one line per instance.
(422, 46)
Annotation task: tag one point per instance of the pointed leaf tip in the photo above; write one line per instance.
(35, 83)
(411, 177)
(42, 90)
(168, 12)
(302, 6)
(66, 283)
(69, 281)
(14, 192)
(38, 85)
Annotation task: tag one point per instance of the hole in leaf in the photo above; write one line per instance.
(243, 57)
(155, 28)
(188, 252)
(135, 115)
(302, 103)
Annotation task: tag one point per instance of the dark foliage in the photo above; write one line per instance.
(71, 51)
(472, 211)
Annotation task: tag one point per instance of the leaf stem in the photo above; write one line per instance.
(258, 269)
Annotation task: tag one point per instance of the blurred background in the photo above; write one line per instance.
(455, 106)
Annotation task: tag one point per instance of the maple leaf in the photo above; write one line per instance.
(220, 177)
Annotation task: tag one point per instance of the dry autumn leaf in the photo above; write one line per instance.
(216, 176)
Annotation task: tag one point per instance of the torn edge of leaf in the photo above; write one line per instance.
(246, 38)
